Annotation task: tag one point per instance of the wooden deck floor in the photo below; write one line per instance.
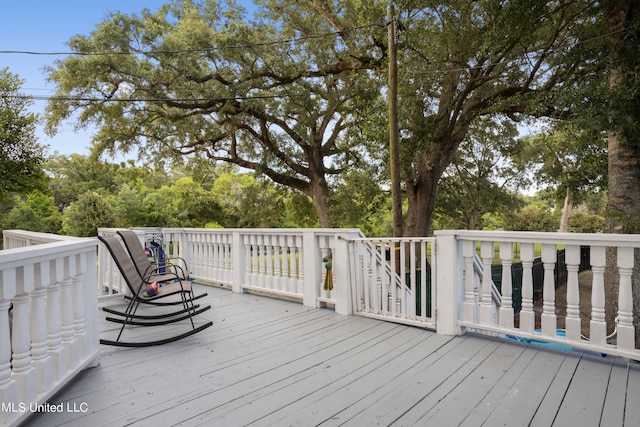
(268, 362)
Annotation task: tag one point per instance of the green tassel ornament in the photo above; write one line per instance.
(328, 278)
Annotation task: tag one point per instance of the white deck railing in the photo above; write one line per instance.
(468, 304)
(279, 262)
(48, 318)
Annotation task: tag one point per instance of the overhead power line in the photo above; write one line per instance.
(91, 99)
(192, 50)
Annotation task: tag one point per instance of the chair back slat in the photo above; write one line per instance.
(131, 275)
(136, 250)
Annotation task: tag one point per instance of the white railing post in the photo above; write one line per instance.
(312, 260)
(450, 287)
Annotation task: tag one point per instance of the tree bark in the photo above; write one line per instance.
(422, 185)
(567, 210)
(623, 207)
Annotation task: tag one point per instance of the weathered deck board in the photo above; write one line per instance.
(267, 362)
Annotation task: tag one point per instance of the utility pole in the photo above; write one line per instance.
(394, 149)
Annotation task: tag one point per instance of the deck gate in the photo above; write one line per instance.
(393, 279)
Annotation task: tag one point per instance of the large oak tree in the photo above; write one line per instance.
(462, 60)
(272, 95)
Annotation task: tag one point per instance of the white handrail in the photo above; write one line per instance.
(48, 321)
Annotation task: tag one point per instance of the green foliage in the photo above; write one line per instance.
(568, 157)
(248, 202)
(86, 215)
(533, 218)
(586, 222)
(74, 175)
(358, 201)
(482, 177)
(36, 212)
(21, 156)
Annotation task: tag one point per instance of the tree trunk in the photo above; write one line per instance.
(472, 220)
(623, 211)
(319, 194)
(567, 210)
(421, 195)
(623, 207)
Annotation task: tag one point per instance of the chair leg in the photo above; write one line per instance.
(186, 305)
(129, 314)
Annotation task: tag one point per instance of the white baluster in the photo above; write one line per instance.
(39, 357)
(598, 326)
(262, 261)
(23, 374)
(403, 278)
(217, 259)
(255, 269)
(67, 310)
(625, 332)
(486, 304)
(424, 308)
(8, 391)
(290, 280)
(247, 258)
(300, 264)
(527, 315)
(370, 290)
(268, 263)
(54, 339)
(573, 322)
(413, 282)
(469, 312)
(224, 257)
(387, 298)
(548, 317)
(278, 257)
(506, 308)
(79, 317)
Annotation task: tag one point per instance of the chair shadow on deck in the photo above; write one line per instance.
(148, 289)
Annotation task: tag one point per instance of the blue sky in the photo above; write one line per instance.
(47, 26)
